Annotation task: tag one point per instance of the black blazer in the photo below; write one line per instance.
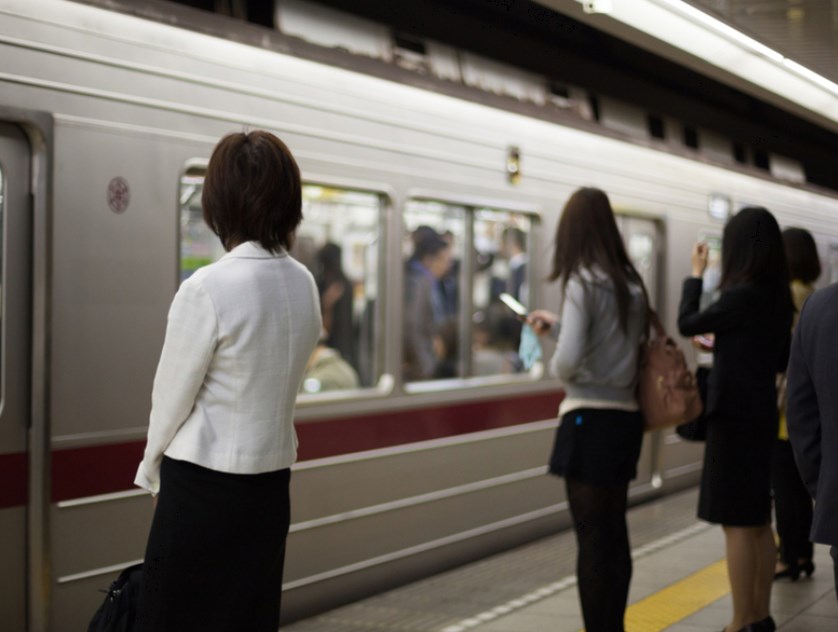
(752, 331)
(812, 408)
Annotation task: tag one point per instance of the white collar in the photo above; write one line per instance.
(253, 250)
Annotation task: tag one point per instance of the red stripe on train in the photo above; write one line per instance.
(13, 474)
(103, 469)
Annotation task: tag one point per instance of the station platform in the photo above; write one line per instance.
(679, 585)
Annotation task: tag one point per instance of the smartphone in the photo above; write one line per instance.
(515, 305)
(705, 342)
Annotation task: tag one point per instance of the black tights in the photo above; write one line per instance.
(603, 567)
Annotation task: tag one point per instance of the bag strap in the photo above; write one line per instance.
(655, 322)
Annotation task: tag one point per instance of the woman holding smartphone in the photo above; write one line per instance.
(751, 323)
(604, 318)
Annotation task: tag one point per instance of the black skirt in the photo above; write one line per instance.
(598, 446)
(736, 477)
(216, 551)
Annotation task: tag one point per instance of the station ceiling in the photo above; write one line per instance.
(803, 30)
(691, 33)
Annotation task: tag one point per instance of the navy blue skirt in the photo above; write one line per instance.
(598, 446)
(216, 551)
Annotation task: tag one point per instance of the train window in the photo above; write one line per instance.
(713, 274)
(339, 242)
(433, 247)
(198, 244)
(500, 264)
(833, 262)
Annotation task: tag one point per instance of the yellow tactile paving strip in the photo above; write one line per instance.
(679, 600)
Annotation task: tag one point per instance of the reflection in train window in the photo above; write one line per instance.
(433, 247)
(339, 242)
(500, 264)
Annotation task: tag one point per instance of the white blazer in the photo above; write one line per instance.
(240, 332)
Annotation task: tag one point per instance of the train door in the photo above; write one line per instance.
(15, 275)
(642, 239)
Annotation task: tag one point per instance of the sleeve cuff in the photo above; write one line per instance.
(146, 482)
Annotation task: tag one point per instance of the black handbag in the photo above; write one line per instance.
(119, 611)
(696, 430)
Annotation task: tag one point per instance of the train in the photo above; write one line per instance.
(107, 121)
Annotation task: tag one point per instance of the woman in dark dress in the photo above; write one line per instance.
(751, 323)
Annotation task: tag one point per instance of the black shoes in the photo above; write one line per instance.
(793, 572)
(766, 625)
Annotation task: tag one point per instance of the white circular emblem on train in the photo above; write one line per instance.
(119, 195)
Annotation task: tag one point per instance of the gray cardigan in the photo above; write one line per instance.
(595, 359)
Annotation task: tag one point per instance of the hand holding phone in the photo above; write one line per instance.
(516, 306)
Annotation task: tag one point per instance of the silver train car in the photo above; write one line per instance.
(106, 124)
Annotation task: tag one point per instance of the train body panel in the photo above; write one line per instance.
(396, 480)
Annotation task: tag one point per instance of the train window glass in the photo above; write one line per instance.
(339, 242)
(199, 246)
(432, 250)
(833, 262)
(713, 273)
(500, 264)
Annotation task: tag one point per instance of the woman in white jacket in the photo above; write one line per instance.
(221, 438)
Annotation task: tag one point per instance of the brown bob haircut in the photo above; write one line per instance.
(587, 236)
(252, 191)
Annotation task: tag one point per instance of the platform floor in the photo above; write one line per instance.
(679, 585)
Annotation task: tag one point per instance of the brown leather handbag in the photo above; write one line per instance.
(667, 390)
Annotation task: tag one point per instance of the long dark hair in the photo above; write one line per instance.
(753, 252)
(587, 236)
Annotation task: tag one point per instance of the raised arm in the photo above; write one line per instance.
(725, 313)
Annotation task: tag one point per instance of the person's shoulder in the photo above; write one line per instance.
(825, 299)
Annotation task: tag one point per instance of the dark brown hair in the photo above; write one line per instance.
(801, 255)
(252, 191)
(753, 252)
(587, 236)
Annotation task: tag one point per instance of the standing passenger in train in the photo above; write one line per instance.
(812, 411)
(221, 438)
(792, 503)
(751, 323)
(336, 302)
(604, 317)
(424, 303)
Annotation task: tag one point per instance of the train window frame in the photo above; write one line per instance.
(384, 383)
(466, 326)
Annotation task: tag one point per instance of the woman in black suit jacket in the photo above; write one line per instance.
(751, 323)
